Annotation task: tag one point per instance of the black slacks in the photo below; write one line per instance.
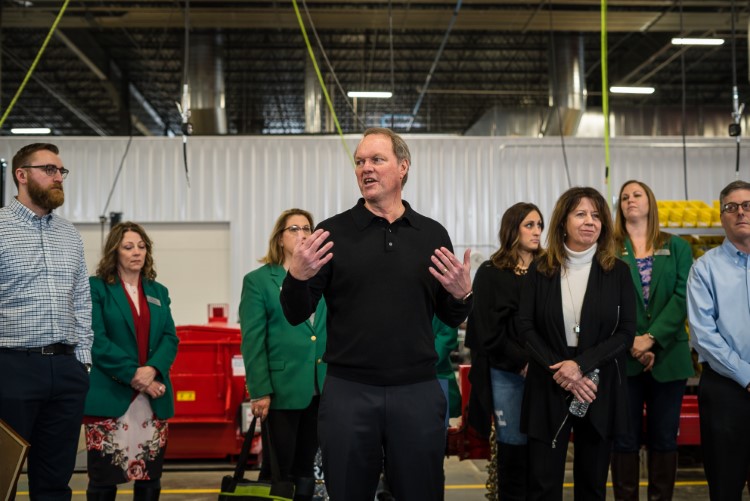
(362, 427)
(42, 397)
(590, 464)
(294, 434)
(724, 408)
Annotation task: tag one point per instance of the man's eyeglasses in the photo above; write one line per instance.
(732, 207)
(296, 229)
(49, 169)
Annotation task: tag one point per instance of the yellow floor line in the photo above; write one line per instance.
(457, 487)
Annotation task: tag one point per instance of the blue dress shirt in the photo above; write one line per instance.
(718, 293)
(44, 285)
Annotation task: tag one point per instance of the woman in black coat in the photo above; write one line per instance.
(578, 316)
(498, 355)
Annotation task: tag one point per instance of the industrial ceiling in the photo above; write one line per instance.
(117, 67)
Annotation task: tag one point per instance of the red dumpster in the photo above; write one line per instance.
(208, 376)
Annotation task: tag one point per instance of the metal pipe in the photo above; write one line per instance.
(434, 65)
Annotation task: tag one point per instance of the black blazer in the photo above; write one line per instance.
(608, 321)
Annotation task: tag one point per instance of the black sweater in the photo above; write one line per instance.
(380, 295)
(492, 333)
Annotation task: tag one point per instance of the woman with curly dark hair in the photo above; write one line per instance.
(130, 395)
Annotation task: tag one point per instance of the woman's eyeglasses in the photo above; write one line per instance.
(296, 229)
(49, 169)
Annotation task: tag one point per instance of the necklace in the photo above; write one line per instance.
(577, 325)
(520, 270)
(132, 289)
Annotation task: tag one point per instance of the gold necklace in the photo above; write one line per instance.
(520, 270)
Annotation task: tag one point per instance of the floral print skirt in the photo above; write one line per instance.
(127, 448)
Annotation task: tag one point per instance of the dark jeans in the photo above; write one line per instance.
(359, 424)
(294, 434)
(42, 397)
(663, 402)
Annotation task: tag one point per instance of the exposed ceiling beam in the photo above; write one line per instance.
(344, 18)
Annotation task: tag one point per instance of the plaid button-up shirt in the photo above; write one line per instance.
(44, 287)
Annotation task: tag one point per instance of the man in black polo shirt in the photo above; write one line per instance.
(390, 271)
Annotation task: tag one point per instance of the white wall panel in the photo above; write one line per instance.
(466, 183)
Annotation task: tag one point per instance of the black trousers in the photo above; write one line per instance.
(590, 464)
(294, 434)
(724, 408)
(42, 397)
(362, 427)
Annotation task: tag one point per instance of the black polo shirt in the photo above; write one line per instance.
(380, 296)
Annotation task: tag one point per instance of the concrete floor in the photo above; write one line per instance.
(464, 482)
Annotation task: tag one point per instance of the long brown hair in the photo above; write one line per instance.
(507, 256)
(107, 267)
(655, 238)
(275, 254)
(555, 256)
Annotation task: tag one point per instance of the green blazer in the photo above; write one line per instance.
(115, 352)
(446, 340)
(281, 360)
(667, 310)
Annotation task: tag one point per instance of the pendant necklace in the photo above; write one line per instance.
(577, 325)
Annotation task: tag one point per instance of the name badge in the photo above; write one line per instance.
(662, 252)
(153, 300)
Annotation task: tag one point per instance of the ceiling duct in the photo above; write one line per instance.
(313, 99)
(567, 85)
(206, 84)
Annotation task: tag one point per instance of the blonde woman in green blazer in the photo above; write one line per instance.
(283, 363)
(659, 362)
(130, 394)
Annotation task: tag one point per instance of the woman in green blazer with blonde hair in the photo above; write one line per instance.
(130, 393)
(283, 363)
(659, 362)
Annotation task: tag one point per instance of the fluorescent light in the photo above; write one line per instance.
(30, 130)
(362, 93)
(697, 41)
(631, 90)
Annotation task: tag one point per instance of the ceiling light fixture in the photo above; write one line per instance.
(697, 41)
(624, 89)
(376, 95)
(30, 130)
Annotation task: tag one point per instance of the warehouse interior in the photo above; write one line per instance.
(203, 120)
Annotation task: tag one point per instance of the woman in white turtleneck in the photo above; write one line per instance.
(577, 314)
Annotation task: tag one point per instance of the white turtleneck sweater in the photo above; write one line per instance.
(573, 280)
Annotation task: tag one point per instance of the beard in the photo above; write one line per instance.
(48, 199)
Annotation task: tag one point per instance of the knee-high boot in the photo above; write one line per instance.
(625, 475)
(304, 488)
(511, 471)
(662, 470)
(108, 493)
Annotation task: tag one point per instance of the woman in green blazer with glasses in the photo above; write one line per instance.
(283, 363)
(659, 362)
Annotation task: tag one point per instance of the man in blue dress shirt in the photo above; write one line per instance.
(719, 315)
(45, 322)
